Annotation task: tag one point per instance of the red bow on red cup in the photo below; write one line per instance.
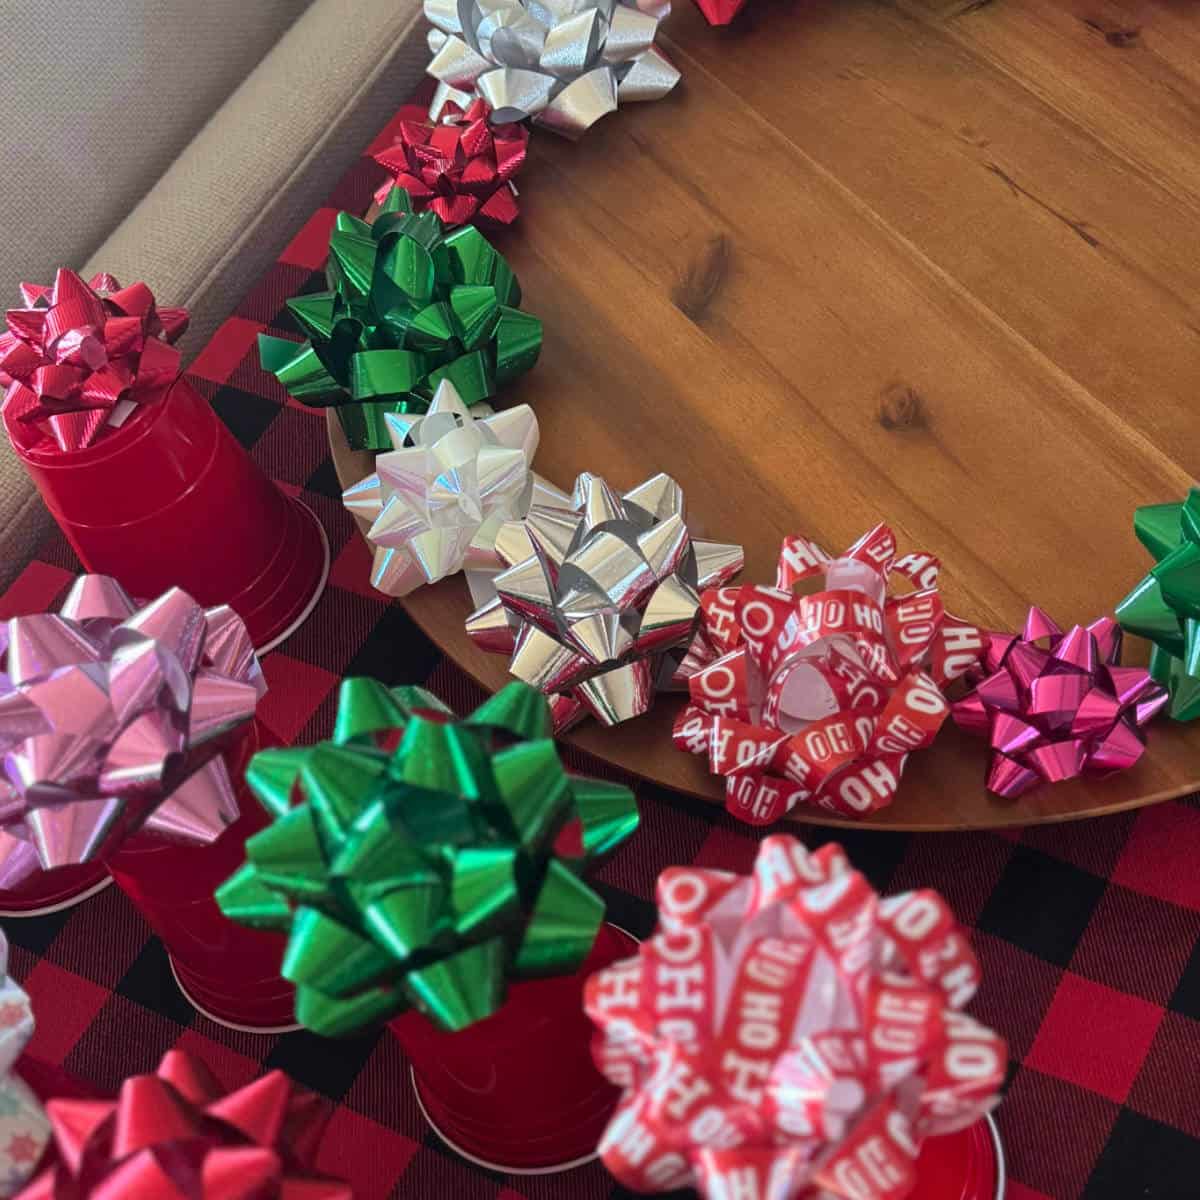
(789, 1035)
(80, 356)
(176, 1135)
(821, 698)
(461, 168)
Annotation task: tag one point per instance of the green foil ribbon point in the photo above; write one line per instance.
(1164, 607)
(416, 860)
(409, 305)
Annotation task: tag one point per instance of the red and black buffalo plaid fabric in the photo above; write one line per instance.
(1089, 933)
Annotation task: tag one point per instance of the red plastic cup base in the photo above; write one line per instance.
(518, 1092)
(52, 891)
(225, 1022)
(303, 599)
(968, 1165)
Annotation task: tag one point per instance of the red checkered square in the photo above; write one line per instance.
(1094, 1036)
(234, 1070)
(1166, 1087)
(231, 343)
(1161, 854)
(365, 1154)
(1137, 944)
(295, 690)
(65, 1004)
(727, 850)
(1077, 1123)
(102, 961)
(310, 247)
(1016, 1011)
(36, 588)
(1018, 1191)
(352, 568)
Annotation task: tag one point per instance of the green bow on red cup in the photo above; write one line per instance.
(409, 304)
(1164, 608)
(417, 860)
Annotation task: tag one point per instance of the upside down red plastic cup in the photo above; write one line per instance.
(519, 1092)
(968, 1165)
(171, 499)
(227, 972)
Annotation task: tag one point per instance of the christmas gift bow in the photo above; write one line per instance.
(821, 698)
(112, 718)
(177, 1134)
(1165, 607)
(417, 860)
(600, 599)
(79, 357)
(437, 500)
(461, 168)
(409, 305)
(24, 1130)
(1055, 705)
(789, 1035)
(565, 63)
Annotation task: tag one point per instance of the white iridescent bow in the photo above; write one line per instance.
(24, 1129)
(565, 63)
(437, 501)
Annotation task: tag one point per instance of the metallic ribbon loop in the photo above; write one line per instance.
(438, 499)
(821, 698)
(113, 718)
(409, 305)
(461, 168)
(24, 1129)
(1164, 608)
(720, 12)
(789, 1034)
(177, 1134)
(564, 63)
(79, 357)
(419, 861)
(1056, 705)
(600, 599)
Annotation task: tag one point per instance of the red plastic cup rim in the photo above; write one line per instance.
(44, 910)
(222, 1021)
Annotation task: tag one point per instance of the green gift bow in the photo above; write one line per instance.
(409, 305)
(1165, 607)
(430, 861)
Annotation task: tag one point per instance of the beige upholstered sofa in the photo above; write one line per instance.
(180, 142)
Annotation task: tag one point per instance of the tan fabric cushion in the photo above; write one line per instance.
(230, 202)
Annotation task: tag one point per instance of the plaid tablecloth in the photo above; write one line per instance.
(1089, 934)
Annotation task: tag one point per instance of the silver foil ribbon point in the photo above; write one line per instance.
(600, 597)
(563, 63)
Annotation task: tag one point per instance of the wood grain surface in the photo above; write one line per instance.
(928, 262)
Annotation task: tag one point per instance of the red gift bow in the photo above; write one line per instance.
(460, 169)
(720, 12)
(821, 698)
(176, 1135)
(789, 1035)
(77, 351)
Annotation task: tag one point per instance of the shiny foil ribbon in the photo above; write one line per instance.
(410, 304)
(564, 63)
(600, 599)
(1165, 607)
(24, 1129)
(1056, 705)
(789, 1035)
(720, 12)
(437, 500)
(820, 698)
(113, 718)
(79, 357)
(177, 1134)
(421, 861)
(462, 168)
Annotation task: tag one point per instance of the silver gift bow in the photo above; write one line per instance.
(565, 63)
(437, 500)
(24, 1130)
(600, 600)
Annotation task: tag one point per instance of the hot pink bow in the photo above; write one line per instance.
(79, 356)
